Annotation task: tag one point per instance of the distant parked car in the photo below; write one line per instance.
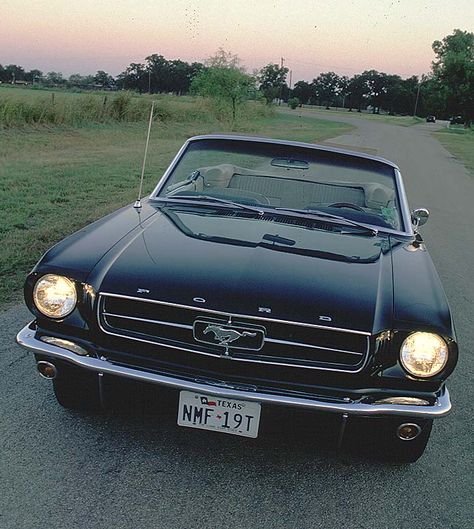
(430, 119)
(456, 120)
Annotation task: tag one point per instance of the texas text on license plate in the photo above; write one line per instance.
(238, 417)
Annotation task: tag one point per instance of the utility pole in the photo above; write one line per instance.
(418, 94)
(291, 75)
(416, 100)
(149, 81)
(282, 62)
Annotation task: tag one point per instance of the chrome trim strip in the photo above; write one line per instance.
(442, 405)
(169, 170)
(309, 346)
(191, 327)
(404, 207)
(235, 315)
(158, 322)
(194, 351)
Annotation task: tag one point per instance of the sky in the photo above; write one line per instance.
(312, 36)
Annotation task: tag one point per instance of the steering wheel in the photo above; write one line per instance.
(349, 205)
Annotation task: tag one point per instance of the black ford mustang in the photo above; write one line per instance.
(258, 273)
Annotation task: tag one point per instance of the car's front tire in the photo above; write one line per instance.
(77, 389)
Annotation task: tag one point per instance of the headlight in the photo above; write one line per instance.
(424, 354)
(55, 296)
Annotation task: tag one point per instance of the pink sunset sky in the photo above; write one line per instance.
(313, 36)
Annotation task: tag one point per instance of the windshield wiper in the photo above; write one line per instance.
(208, 200)
(190, 179)
(316, 213)
(203, 200)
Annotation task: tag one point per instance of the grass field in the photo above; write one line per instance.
(21, 107)
(403, 121)
(56, 179)
(460, 143)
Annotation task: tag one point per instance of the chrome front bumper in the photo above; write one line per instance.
(441, 406)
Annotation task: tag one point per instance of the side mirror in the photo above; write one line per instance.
(419, 217)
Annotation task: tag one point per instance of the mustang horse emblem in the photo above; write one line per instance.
(225, 335)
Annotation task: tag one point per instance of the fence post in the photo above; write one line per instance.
(104, 105)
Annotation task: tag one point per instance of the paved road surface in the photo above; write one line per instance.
(66, 470)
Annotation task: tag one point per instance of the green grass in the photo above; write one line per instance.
(403, 121)
(299, 128)
(56, 179)
(460, 143)
(37, 90)
(24, 107)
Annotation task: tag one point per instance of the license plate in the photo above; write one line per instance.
(237, 417)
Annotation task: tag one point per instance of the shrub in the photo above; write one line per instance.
(293, 102)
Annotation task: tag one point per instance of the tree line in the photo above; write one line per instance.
(447, 90)
(15, 74)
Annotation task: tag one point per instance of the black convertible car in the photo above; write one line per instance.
(258, 273)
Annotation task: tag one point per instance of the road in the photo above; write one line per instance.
(66, 470)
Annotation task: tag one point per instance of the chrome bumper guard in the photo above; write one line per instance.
(441, 406)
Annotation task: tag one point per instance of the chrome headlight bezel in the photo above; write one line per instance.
(421, 349)
(55, 296)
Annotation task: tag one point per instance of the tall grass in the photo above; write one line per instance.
(55, 108)
(59, 109)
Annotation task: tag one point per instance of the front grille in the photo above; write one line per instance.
(284, 343)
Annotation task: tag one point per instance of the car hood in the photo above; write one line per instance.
(255, 267)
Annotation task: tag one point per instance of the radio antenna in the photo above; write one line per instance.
(138, 203)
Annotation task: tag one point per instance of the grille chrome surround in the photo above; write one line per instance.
(136, 327)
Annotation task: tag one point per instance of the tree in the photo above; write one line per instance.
(357, 90)
(326, 87)
(54, 79)
(180, 75)
(104, 79)
(157, 73)
(34, 76)
(405, 102)
(224, 82)
(432, 99)
(224, 59)
(76, 80)
(392, 93)
(13, 73)
(453, 69)
(342, 89)
(303, 91)
(376, 83)
(271, 79)
(135, 77)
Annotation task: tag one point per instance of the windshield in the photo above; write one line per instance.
(286, 177)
